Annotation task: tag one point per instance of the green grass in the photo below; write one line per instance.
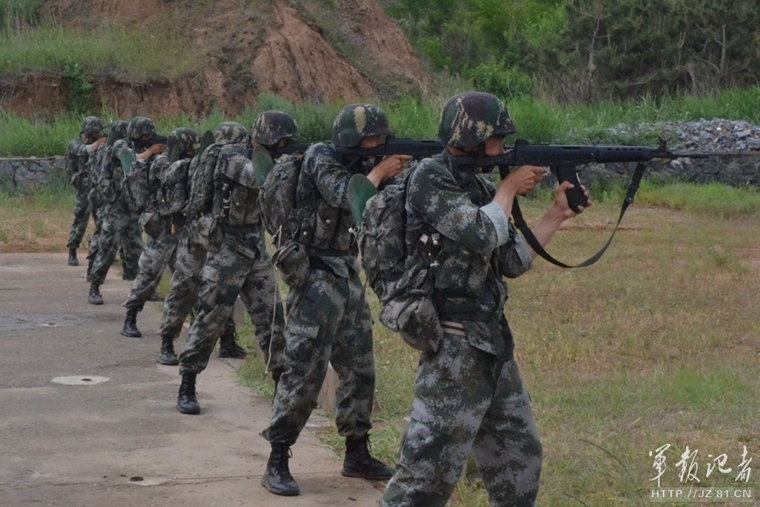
(103, 48)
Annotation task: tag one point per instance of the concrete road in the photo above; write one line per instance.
(115, 438)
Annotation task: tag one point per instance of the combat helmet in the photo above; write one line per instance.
(271, 127)
(140, 126)
(230, 131)
(469, 119)
(92, 125)
(184, 140)
(117, 131)
(358, 121)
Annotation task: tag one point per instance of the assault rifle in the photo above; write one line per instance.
(562, 160)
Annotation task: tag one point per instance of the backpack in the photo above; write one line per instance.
(172, 195)
(277, 197)
(201, 198)
(401, 281)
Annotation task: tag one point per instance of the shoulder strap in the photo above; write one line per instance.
(536, 246)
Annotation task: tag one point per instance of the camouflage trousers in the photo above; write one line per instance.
(157, 253)
(183, 292)
(119, 227)
(97, 216)
(81, 217)
(328, 321)
(227, 275)
(467, 400)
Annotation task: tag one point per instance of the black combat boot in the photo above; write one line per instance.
(167, 355)
(228, 347)
(130, 324)
(187, 403)
(94, 297)
(359, 462)
(73, 257)
(277, 478)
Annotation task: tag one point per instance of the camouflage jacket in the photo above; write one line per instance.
(77, 155)
(476, 247)
(235, 201)
(323, 191)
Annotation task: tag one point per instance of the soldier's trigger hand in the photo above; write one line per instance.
(524, 179)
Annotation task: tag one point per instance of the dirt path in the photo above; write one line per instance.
(122, 442)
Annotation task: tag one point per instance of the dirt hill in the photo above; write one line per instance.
(307, 50)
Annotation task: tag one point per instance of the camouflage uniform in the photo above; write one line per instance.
(77, 155)
(95, 197)
(241, 266)
(191, 256)
(468, 393)
(118, 226)
(328, 317)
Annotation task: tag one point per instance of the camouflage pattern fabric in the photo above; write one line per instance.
(95, 195)
(242, 267)
(466, 401)
(92, 125)
(470, 118)
(161, 246)
(322, 194)
(272, 126)
(328, 317)
(140, 126)
(227, 275)
(120, 225)
(158, 252)
(328, 321)
(183, 140)
(468, 394)
(355, 121)
(230, 132)
(183, 292)
(120, 232)
(77, 155)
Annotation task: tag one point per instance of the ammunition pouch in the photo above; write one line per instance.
(292, 261)
(151, 224)
(208, 233)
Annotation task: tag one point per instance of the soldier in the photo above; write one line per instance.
(468, 392)
(127, 197)
(191, 256)
(328, 316)
(238, 263)
(161, 247)
(77, 155)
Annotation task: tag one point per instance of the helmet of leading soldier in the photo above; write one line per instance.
(357, 121)
(230, 131)
(184, 140)
(469, 119)
(92, 125)
(140, 126)
(271, 127)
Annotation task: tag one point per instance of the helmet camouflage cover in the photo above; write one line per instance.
(357, 121)
(469, 119)
(230, 131)
(140, 126)
(272, 126)
(183, 139)
(118, 130)
(92, 125)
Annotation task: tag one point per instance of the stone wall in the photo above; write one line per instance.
(735, 169)
(24, 174)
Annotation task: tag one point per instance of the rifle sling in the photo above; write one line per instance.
(633, 186)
